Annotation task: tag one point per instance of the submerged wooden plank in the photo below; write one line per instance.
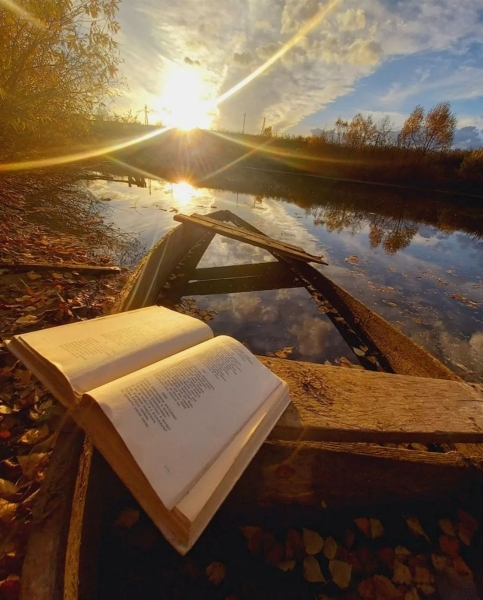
(266, 269)
(251, 238)
(350, 405)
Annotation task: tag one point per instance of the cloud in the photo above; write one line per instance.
(227, 39)
(351, 20)
(468, 137)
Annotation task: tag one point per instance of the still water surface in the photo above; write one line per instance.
(418, 264)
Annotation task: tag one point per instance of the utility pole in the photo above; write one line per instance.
(146, 122)
(244, 117)
(263, 126)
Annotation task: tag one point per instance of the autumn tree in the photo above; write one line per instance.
(58, 59)
(431, 131)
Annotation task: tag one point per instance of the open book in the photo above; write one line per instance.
(177, 413)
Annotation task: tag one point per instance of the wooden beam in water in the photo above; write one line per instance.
(352, 405)
(266, 269)
(239, 284)
(254, 239)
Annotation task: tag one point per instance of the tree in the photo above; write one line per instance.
(429, 132)
(360, 131)
(58, 59)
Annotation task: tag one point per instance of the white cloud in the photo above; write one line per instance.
(351, 20)
(220, 38)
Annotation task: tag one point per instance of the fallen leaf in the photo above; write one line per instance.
(386, 556)
(286, 565)
(313, 542)
(294, 545)
(461, 567)
(401, 551)
(341, 573)
(312, 571)
(330, 548)
(447, 527)
(363, 525)
(284, 352)
(467, 527)
(427, 589)
(34, 436)
(412, 594)
(423, 575)
(449, 545)
(27, 320)
(440, 561)
(127, 518)
(274, 553)
(377, 530)
(389, 303)
(358, 352)
(7, 488)
(366, 589)
(216, 572)
(249, 530)
(367, 560)
(10, 588)
(416, 528)
(385, 588)
(7, 510)
(402, 574)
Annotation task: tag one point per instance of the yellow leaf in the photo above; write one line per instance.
(358, 352)
(313, 542)
(286, 565)
(30, 463)
(412, 594)
(330, 548)
(415, 526)
(447, 527)
(216, 572)
(34, 436)
(341, 573)
(312, 571)
(402, 574)
(26, 320)
(377, 530)
(7, 488)
(7, 511)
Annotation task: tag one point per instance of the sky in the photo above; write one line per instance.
(381, 57)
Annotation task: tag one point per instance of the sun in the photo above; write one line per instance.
(183, 192)
(184, 99)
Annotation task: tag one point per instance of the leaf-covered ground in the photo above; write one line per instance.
(29, 415)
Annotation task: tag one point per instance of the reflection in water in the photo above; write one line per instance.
(415, 261)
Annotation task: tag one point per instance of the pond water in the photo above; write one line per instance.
(416, 261)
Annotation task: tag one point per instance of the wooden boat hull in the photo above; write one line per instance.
(303, 473)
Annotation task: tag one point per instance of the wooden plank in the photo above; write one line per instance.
(253, 239)
(350, 405)
(239, 284)
(267, 269)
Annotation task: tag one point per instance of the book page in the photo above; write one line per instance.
(177, 416)
(92, 353)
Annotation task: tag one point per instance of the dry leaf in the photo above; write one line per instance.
(440, 562)
(386, 556)
(401, 551)
(294, 545)
(313, 542)
(358, 352)
(312, 571)
(461, 567)
(447, 527)
(7, 488)
(412, 594)
(467, 526)
(449, 545)
(377, 530)
(364, 526)
(389, 303)
(385, 589)
(127, 518)
(30, 463)
(402, 574)
(26, 320)
(274, 553)
(422, 575)
(330, 548)
(216, 572)
(7, 511)
(415, 526)
(366, 589)
(34, 436)
(341, 573)
(286, 565)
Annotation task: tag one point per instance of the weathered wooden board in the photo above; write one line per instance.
(242, 235)
(351, 405)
